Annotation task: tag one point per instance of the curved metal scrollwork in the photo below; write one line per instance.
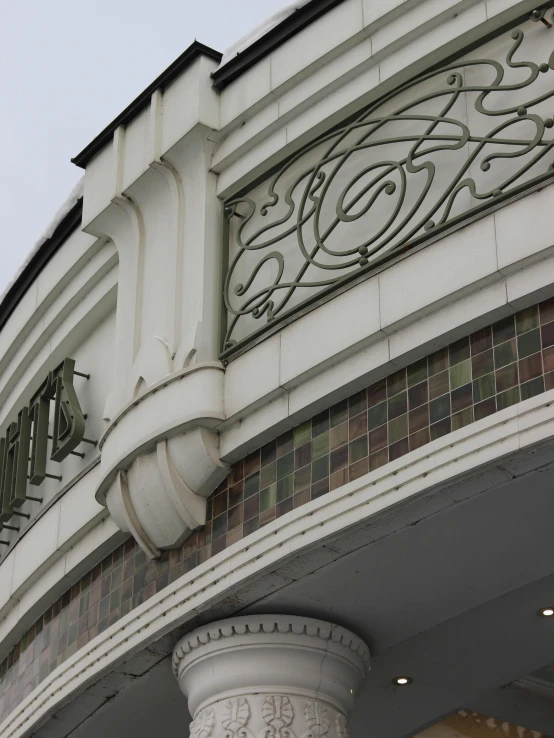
(426, 156)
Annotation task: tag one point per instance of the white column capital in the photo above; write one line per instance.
(270, 676)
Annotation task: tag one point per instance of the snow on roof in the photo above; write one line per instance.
(260, 30)
(68, 204)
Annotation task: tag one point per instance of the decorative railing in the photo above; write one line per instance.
(438, 151)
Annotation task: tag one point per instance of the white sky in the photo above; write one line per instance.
(67, 68)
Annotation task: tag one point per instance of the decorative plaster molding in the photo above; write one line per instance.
(315, 670)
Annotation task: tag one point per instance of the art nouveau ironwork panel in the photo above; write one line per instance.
(442, 148)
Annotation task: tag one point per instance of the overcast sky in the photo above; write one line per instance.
(67, 68)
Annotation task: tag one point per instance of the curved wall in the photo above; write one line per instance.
(448, 342)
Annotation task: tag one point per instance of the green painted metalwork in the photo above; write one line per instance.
(24, 447)
(341, 177)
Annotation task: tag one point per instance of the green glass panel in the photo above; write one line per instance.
(505, 354)
(529, 343)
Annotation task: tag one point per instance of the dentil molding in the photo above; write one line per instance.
(270, 676)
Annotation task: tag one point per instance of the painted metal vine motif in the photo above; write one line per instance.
(429, 155)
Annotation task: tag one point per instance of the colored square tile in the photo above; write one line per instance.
(505, 353)
(482, 364)
(339, 435)
(398, 428)
(252, 463)
(377, 415)
(419, 439)
(358, 469)
(339, 458)
(461, 398)
(303, 434)
(377, 439)
(250, 526)
(377, 393)
(527, 319)
(285, 465)
(357, 403)
(439, 409)
(504, 330)
(418, 395)
(417, 372)
(484, 387)
(396, 382)
(547, 335)
(320, 424)
(357, 426)
(285, 444)
(459, 420)
(303, 478)
(442, 428)
(338, 479)
(219, 528)
(398, 405)
(419, 418)
(251, 507)
(236, 494)
(439, 384)
(506, 377)
(268, 453)
(320, 488)
(284, 507)
(459, 351)
(532, 388)
(320, 446)
(530, 367)
(268, 475)
(302, 498)
(546, 311)
(234, 517)
(508, 398)
(549, 381)
(303, 455)
(460, 374)
(398, 449)
(548, 359)
(268, 498)
(320, 469)
(358, 449)
(481, 340)
(284, 488)
(339, 413)
(378, 459)
(529, 343)
(251, 485)
(438, 362)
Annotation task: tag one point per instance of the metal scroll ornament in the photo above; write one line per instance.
(430, 155)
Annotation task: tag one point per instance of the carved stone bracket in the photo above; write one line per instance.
(270, 676)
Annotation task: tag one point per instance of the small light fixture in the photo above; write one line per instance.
(401, 681)
(546, 612)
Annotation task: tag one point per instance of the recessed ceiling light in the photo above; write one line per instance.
(546, 612)
(402, 680)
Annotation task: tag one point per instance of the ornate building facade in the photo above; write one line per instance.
(276, 417)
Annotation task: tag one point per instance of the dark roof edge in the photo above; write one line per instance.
(190, 55)
(271, 40)
(38, 261)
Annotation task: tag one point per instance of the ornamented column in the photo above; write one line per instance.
(270, 676)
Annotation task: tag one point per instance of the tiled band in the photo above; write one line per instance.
(472, 378)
